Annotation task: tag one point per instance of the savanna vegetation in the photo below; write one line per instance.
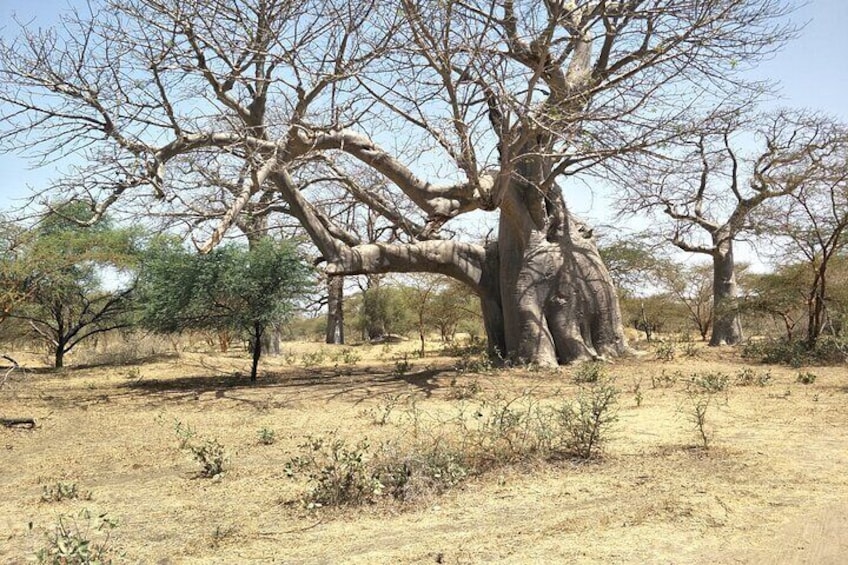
(306, 286)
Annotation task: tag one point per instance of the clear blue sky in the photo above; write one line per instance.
(812, 70)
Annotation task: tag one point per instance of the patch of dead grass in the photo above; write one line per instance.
(778, 462)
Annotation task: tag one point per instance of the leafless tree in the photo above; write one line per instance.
(199, 108)
(710, 192)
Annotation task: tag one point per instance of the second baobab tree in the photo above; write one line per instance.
(710, 185)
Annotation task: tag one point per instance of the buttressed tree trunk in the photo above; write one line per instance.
(558, 302)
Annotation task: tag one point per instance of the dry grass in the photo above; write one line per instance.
(771, 488)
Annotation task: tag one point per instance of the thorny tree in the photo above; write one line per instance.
(204, 108)
(811, 225)
(711, 192)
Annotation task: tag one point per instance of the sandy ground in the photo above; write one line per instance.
(772, 488)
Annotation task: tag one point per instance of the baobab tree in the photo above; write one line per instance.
(710, 193)
(459, 105)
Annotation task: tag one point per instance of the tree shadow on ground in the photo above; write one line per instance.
(308, 384)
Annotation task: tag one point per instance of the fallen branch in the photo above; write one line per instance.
(28, 423)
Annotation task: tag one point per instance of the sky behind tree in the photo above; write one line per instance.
(811, 72)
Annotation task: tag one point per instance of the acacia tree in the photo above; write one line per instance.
(53, 276)
(504, 98)
(231, 288)
(811, 225)
(709, 193)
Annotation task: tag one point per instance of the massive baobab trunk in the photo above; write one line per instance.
(557, 301)
(727, 330)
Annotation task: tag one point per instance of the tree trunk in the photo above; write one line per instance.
(59, 356)
(727, 329)
(335, 311)
(557, 300)
(816, 316)
(257, 350)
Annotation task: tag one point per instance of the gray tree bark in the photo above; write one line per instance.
(335, 311)
(727, 329)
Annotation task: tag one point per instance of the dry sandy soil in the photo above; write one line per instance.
(772, 488)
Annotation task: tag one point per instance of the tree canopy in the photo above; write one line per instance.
(231, 287)
(212, 111)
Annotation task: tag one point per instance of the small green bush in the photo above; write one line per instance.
(828, 350)
(267, 436)
(750, 377)
(312, 359)
(590, 372)
(209, 453)
(80, 540)
(665, 351)
(665, 380)
(806, 378)
(338, 473)
(62, 491)
(709, 382)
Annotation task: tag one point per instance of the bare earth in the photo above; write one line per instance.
(773, 488)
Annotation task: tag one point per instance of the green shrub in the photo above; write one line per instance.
(750, 377)
(473, 363)
(806, 378)
(431, 455)
(828, 350)
(665, 380)
(62, 491)
(80, 540)
(337, 473)
(590, 372)
(709, 382)
(267, 436)
(209, 453)
(665, 351)
(312, 359)
(464, 391)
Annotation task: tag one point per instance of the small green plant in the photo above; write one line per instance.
(62, 491)
(586, 422)
(750, 377)
(665, 380)
(133, 374)
(665, 351)
(806, 378)
(84, 539)
(690, 349)
(267, 436)
(710, 383)
(463, 391)
(698, 416)
(312, 359)
(383, 411)
(637, 392)
(589, 372)
(211, 456)
(474, 363)
(350, 357)
(184, 432)
(209, 453)
(338, 473)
